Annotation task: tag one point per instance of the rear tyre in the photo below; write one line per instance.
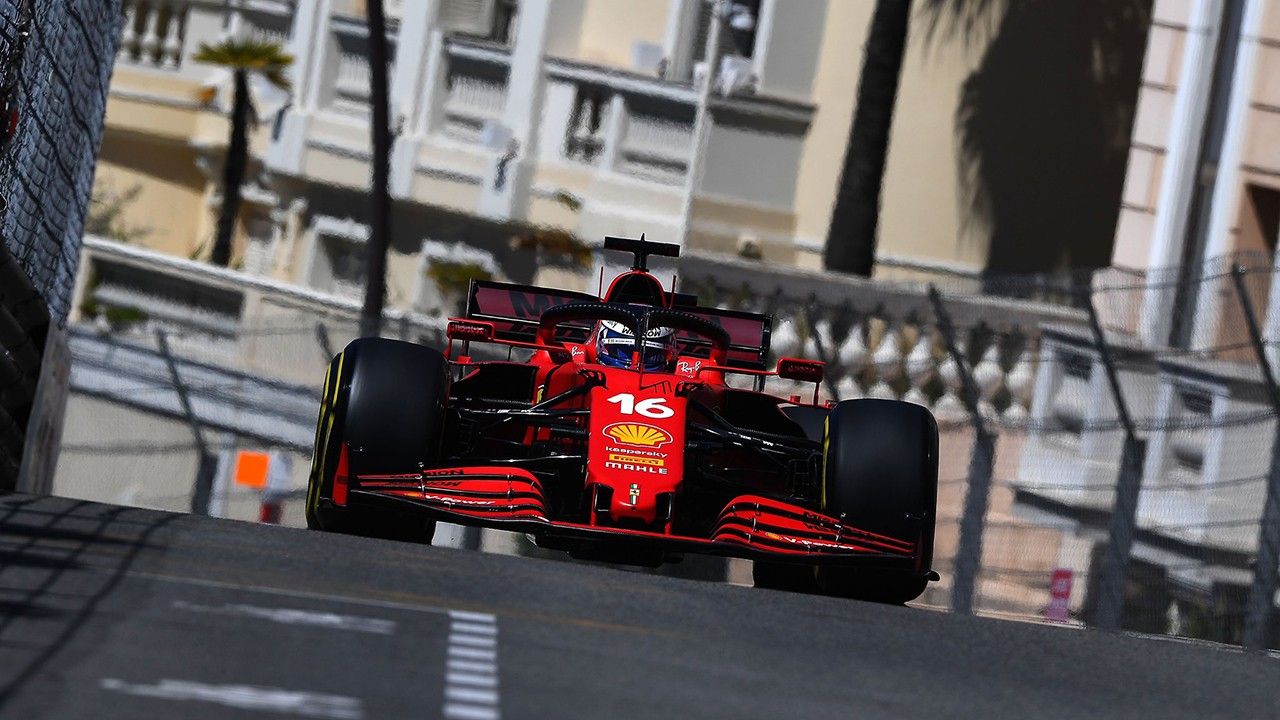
(384, 400)
(881, 474)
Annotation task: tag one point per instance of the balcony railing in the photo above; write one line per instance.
(163, 34)
(154, 32)
(475, 89)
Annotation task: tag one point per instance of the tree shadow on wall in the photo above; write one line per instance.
(1044, 124)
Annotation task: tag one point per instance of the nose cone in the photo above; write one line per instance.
(636, 446)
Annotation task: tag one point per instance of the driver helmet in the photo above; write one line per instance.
(615, 343)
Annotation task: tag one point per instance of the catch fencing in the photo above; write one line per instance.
(56, 58)
(1087, 476)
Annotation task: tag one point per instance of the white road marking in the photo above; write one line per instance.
(466, 678)
(468, 666)
(245, 697)
(471, 675)
(458, 711)
(466, 694)
(472, 653)
(464, 616)
(293, 616)
(473, 640)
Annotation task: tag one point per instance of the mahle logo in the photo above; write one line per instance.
(638, 434)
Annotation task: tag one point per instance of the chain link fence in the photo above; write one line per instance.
(56, 58)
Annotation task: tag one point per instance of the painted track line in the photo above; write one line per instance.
(244, 697)
(471, 674)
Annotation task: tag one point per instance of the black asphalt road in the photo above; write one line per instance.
(110, 612)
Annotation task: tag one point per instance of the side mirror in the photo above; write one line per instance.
(801, 370)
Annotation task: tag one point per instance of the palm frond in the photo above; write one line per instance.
(255, 56)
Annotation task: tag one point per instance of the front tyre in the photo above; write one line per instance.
(382, 412)
(881, 474)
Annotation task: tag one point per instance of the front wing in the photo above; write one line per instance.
(749, 526)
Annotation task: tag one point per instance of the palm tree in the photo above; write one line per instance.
(379, 192)
(242, 58)
(851, 239)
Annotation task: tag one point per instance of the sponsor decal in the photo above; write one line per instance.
(684, 367)
(637, 451)
(654, 461)
(638, 434)
(632, 467)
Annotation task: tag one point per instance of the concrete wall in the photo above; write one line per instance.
(611, 27)
(169, 212)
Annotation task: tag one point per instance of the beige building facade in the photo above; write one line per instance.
(1203, 184)
(576, 115)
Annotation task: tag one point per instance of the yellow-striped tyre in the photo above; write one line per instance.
(384, 405)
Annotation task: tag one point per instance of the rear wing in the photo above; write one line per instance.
(748, 336)
(515, 309)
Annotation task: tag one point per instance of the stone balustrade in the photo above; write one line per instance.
(882, 340)
(154, 32)
(163, 34)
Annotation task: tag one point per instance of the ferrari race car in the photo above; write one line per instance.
(608, 431)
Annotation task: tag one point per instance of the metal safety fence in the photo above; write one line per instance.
(56, 58)
(1088, 475)
(1111, 463)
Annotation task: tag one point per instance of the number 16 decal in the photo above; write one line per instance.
(651, 408)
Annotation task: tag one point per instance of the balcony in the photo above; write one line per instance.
(164, 34)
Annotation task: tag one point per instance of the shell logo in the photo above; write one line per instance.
(638, 434)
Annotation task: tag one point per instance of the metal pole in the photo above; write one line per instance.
(1124, 511)
(981, 465)
(1259, 608)
(322, 339)
(379, 190)
(202, 491)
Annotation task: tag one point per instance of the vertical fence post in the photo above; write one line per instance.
(1124, 511)
(1259, 606)
(981, 465)
(202, 491)
(322, 339)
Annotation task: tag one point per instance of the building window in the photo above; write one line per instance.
(736, 38)
(339, 267)
(485, 19)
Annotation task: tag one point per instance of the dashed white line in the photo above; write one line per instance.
(470, 653)
(466, 616)
(465, 694)
(484, 641)
(471, 667)
(456, 711)
(466, 678)
(245, 697)
(468, 666)
(293, 616)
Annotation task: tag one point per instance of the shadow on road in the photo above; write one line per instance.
(59, 559)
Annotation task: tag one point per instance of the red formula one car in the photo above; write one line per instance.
(614, 437)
